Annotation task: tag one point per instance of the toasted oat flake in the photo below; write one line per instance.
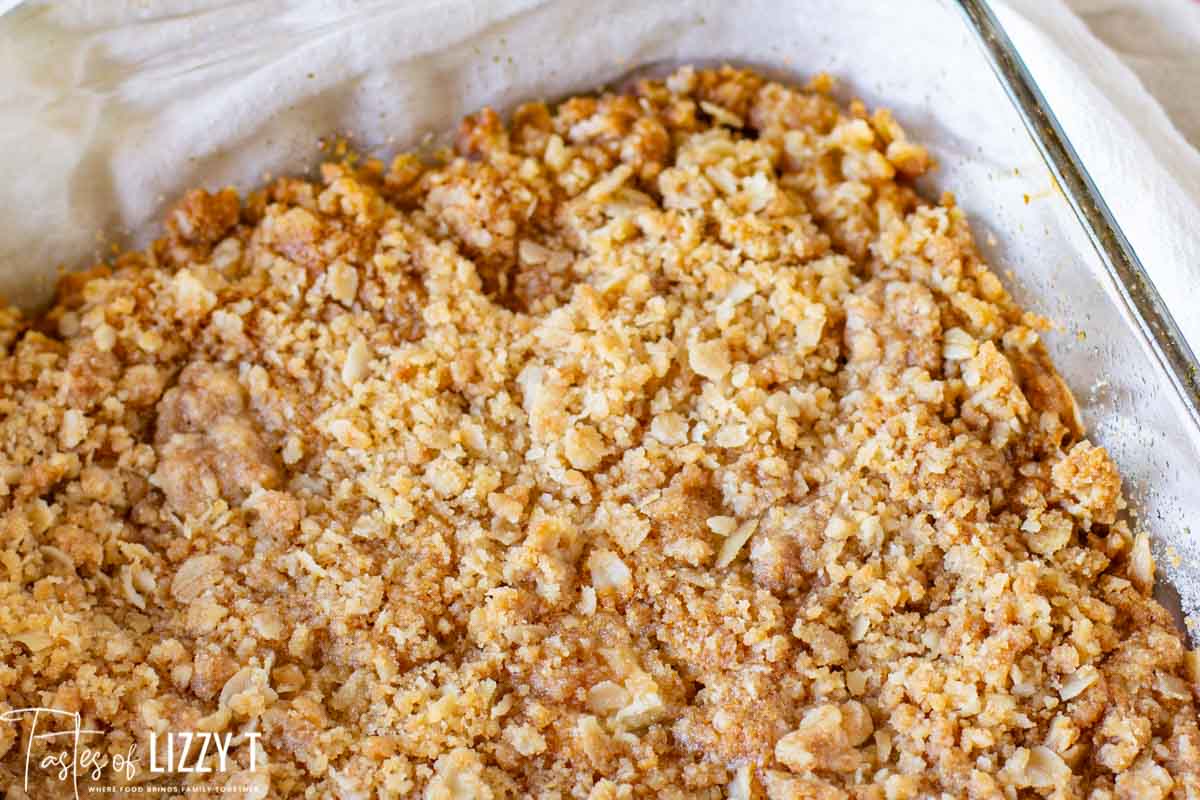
(733, 543)
(721, 115)
(192, 295)
(74, 428)
(1142, 562)
(608, 571)
(343, 282)
(658, 444)
(1078, 681)
(357, 363)
(1039, 768)
(722, 526)
(194, 576)
(709, 359)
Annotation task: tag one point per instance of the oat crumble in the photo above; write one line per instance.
(659, 444)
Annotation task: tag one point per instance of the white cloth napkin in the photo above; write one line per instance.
(1160, 41)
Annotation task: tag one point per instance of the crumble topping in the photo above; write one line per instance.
(662, 443)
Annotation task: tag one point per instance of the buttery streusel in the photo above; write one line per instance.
(660, 444)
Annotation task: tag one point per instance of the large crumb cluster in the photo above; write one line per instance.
(660, 444)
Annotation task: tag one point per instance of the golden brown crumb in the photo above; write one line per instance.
(662, 444)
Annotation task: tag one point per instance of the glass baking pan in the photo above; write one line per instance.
(147, 102)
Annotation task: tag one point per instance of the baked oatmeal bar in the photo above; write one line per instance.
(658, 444)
